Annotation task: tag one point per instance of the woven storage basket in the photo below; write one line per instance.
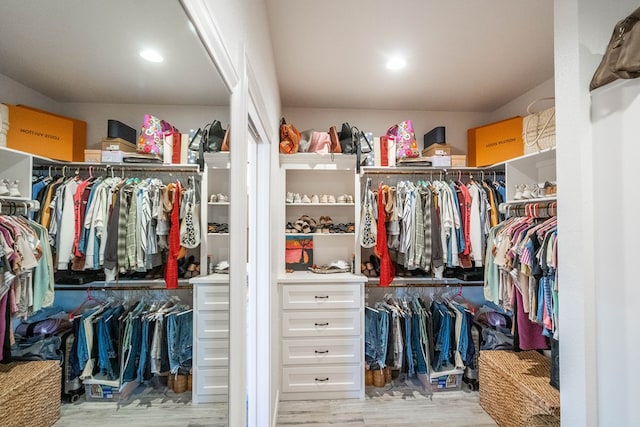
(30, 393)
(514, 387)
(539, 128)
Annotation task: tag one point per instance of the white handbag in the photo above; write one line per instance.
(368, 227)
(539, 128)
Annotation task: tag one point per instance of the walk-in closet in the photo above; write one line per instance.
(276, 213)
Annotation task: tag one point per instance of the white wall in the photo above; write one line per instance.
(378, 121)
(182, 117)
(596, 374)
(518, 106)
(12, 92)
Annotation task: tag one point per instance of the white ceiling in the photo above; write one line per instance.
(88, 51)
(462, 55)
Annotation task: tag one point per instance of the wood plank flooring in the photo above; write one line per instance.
(390, 406)
(151, 408)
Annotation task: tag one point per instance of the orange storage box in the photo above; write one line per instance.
(495, 142)
(46, 134)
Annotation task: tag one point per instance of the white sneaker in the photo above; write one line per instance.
(306, 199)
(349, 198)
(518, 195)
(526, 193)
(222, 198)
(315, 199)
(324, 199)
(4, 189)
(289, 198)
(296, 198)
(13, 189)
(332, 198)
(342, 198)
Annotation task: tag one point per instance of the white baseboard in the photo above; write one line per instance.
(275, 410)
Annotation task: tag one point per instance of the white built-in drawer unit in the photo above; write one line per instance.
(321, 351)
(327, 296)
(210, 339)
(321, 329)
(320, 323)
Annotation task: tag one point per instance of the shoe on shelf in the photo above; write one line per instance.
(305, 199)
(341, 198)
(296, 198)
(518, 195)
(4, 187)
(13, 189)
(222, 198)
(213, 198)
(349, 198)
(526, 192)
(289, 198)
(315, 199)
(331, 198)
(324, 199)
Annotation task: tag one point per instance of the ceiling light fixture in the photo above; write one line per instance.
(151, 55)
(396, 63)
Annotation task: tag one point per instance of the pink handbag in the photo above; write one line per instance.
(320, 143)
(405, 137)
(152, 135)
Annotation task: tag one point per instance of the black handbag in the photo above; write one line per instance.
(347, 142)
(207, 139)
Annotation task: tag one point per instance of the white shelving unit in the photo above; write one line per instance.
(215, 180)
(530, 169)
(321, 315)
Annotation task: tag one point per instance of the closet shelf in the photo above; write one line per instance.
(407, 282)
(218, 203)
(412, 170)
(321, 204)
(121, 285)
(319, 234)
(526, 201)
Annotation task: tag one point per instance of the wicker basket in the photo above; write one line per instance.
(30, 393)
(514, 387)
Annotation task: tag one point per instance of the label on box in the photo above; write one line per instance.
(441, 161)
(112, 156)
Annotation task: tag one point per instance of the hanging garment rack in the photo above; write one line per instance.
(14, 207)
(427, 282)
(193, 169)
(531, 209)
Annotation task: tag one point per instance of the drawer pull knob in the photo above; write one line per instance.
(322, 379)
(322, 324)
(322, 297)
(322, 351)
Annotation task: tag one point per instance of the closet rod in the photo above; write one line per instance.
(416, 171)
(11, 207)
(187, 286)
(122, 166)
(439, 284)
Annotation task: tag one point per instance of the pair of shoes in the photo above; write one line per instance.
(214, 227)
(325, 224)
(9, 188)
(367, 269)
(193, 270)
(327, 198)
(296, 198)
(222, 267)
(550, 188)
(344, 198)
(218, 198)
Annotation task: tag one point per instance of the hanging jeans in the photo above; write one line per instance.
(408, 344)
(376, 336)
(443, 343)
(180, 340)
(131, 362)
(144, 351)
(417, 343)
(106, 349)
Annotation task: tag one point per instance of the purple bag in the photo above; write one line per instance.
(152, 135)
(405, 137)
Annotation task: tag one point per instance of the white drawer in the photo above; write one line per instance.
(212, 297)
(327, 296)
(322, 378)
(212, 353)
(212, 324)
(320, 323)
(321, 351)
(212, 381)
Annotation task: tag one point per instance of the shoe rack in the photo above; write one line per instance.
(16, 166)
(530, 170)
(321, 196)
(215, 211)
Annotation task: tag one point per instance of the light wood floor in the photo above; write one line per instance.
(391, 406)
(148, 409)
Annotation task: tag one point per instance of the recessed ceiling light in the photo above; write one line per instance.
(151, 55)
(396, 63)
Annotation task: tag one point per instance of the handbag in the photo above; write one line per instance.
(289, 138)
(368, 227)
(152, 135)
(539, 129)
(320, 143)
(621, 59)
(405, 138)
(210, 138)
